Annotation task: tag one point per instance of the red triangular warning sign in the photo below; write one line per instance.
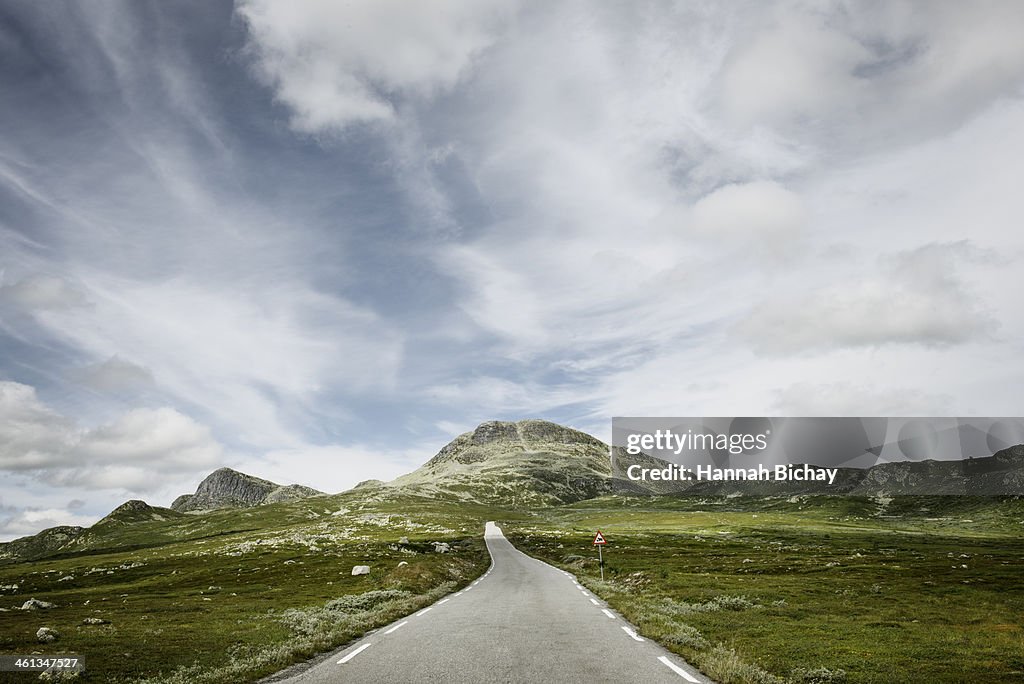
(599, 539)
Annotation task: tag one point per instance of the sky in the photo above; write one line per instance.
(316, 240)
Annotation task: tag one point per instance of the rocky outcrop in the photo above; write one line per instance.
(227, 488)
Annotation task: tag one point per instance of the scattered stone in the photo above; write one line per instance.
(36, 604)
(95, 621)
(46, 635)
(403, 540)
(403, 563)
(213, 588)
(441, 547)
(360, 569)
(66, 578)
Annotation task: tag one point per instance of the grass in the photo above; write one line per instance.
(807, 590)
(236, 595)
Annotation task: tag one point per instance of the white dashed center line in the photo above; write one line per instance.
(608, 613)
(594, 602)
(678, 670)
(353, 654)
(400, 624)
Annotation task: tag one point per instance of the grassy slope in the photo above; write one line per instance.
(273, 568)
(910, 590)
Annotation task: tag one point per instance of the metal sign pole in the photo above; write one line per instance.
(600, 561)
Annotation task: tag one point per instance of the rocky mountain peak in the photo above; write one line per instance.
(228, 488)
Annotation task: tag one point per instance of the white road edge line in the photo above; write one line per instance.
(632, 634)
(353, 654)
(678, 670)
(608, 613)
(400, 624)
(443, 601)
(424, 611)
(594, 602)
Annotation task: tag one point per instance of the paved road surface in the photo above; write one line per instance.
(523, 621)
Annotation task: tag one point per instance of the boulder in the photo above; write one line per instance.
(403, 563)
(360, 569)
(95, 621)
(441, 547)
(45, 635)
(403, 540)
(36, 604)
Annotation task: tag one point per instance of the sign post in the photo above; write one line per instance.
(599, 541)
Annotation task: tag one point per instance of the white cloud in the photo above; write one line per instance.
(31, 434)
(914, 297)
(29, 521)
(336, 64)
(760, 210)
(130, 453)
(850, 399)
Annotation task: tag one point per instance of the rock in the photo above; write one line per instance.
(36, 604)
(46, 635)
(403, 540)
(360, 569)
(441, 547)
(95, 621)
(403, 563)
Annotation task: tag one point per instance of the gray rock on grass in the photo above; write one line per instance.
(46, 635)
(36, 604)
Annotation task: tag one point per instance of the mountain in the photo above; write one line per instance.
(227, 488)
(528, 463)
(45, 543)
(135, 511)
(525, 464)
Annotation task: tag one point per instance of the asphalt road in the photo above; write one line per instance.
(522, 621)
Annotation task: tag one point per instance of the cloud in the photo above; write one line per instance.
(29, 521)
(914, 297)
(234, 352)
(335, 65)
(115, 375)
(131, 452)
(760, 210)
(850, 399)
(39, 292)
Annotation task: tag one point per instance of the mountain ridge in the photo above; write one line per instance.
(229, 488)
(529, 463)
